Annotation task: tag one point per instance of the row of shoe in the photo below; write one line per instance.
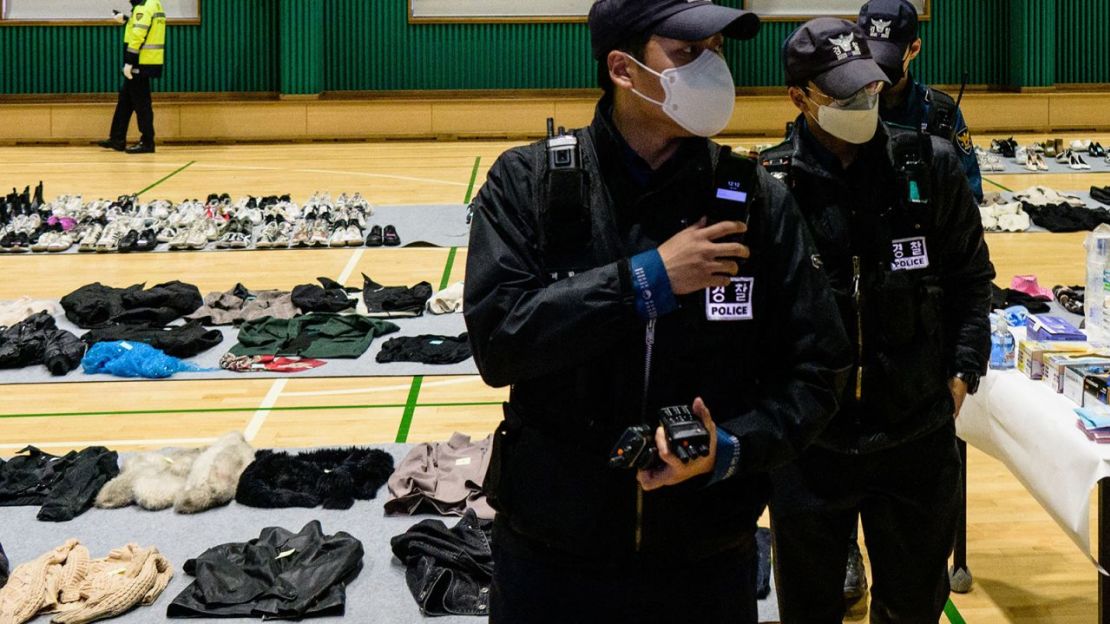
(1032, 157)
(31, 224)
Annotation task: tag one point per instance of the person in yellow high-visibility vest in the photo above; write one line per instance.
(143, 59)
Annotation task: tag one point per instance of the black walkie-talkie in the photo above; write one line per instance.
(566, 213)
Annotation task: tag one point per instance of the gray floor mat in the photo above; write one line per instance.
(365, 366)
(442, 225)
(379, 594)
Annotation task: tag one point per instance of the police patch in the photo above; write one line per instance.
(139, 16)
(732, 302)
(909, 254)
(963, 141)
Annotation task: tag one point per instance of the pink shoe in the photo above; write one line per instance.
(1028, 285)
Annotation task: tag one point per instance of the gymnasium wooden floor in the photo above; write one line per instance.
(1026, 569)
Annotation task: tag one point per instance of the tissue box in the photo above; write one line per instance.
(1031, 354)
(1051, 328)
(1056, 364)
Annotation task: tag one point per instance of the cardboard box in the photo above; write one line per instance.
(1056, 364)
(1051, 328)
(1031, 354)
(1074, 378)
(1095, 394)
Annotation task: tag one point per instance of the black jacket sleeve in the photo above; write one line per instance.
(966, 269)
(812, 355)
(521, 325)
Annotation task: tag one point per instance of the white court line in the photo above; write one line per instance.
(114, 443)
(330, 172)
(352, 264)
(408, 386)
(264, 410)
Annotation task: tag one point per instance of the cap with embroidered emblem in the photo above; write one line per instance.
(834, 54)
(890, 27)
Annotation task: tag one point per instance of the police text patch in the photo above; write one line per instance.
(732, 302)
(909, 254)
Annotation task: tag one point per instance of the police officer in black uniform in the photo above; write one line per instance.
(626, 267)
(891, 29)
(900, 238)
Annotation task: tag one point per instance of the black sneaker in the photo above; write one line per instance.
(390, 237)
(375, 238)
(141, 148)
(855, 578)
(128, 242)
(147, 241)
(118, 146)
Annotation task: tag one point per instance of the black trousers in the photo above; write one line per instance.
(718, 591)
(907, 497)
(134, 98)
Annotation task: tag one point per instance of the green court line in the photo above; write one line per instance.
(410, 409)
(225, 410)
(953, 614)
(447, 269)
(183, 168)
(473, 179)
(999, 185)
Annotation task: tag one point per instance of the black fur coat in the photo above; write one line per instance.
(334, 478)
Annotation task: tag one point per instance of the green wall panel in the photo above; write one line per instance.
(372, 47)
(302, 46)
(310, 46)
(233, 49)
(1082, 27)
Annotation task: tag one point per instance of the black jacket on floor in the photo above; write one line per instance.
(64, 486)
(1062, 218)
(333, 478)
(561, 328)
(329, 296)
(922, 272)
(395, 300)
(426, 349)
(448, 571)
(97, 305)
(259, 579)
(37, 340)
(182, 341)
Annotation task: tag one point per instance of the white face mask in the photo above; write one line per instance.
(855, 120)
(700, 96)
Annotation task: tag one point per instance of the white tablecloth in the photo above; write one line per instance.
(1031, 429)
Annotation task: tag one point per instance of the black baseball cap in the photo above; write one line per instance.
(834, 54)
(890, 26)
(614, 21)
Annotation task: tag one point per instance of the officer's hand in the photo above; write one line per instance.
(695, 262)
(673, 471)
(958, 388)
(127, 69)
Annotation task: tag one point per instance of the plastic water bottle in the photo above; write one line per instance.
(1098, 286)
(1003, 352)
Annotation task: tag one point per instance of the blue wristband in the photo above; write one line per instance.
(728, 456)
(654, 297)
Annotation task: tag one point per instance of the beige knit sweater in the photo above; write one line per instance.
(66, 582)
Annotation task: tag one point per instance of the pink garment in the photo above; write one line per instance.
(1028, 285)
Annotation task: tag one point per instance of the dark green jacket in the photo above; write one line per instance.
(318, 335)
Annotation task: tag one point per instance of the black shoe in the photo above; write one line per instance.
(1097, 150)
(128, 242)
(1101, 194)
(119, 146)
(390, 238)
(147, 241)
(855, 578)
(375, 238)
(141, 148)
(20, 243)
